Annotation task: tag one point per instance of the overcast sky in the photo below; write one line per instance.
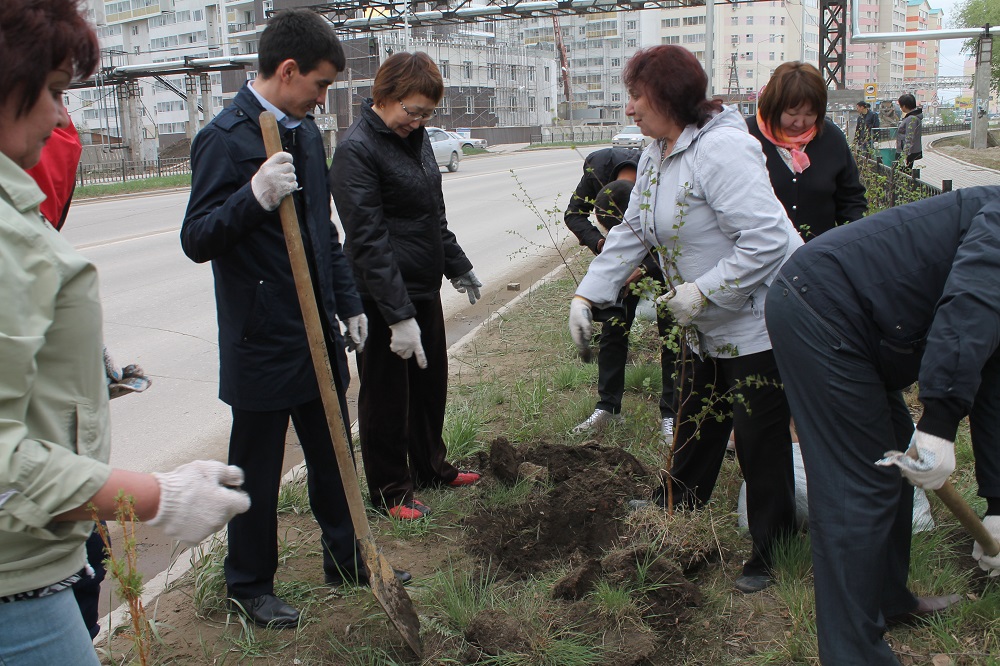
(952, 60)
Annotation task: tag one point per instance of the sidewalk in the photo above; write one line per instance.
(936, 166)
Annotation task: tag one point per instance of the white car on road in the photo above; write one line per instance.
(447, 149)
(469, 141)
(631, 136)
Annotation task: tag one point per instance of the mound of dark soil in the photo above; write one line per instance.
(576, 517)
(578, 513)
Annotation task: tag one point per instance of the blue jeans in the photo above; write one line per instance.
(45, 632)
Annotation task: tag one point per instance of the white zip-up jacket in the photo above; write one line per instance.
(709, 211)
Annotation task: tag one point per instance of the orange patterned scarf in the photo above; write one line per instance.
(795, 145)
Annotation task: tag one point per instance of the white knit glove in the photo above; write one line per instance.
(987, 563)
(468, 284)
(685, 302)
(197, 499)
(405, 341)
(357, 331)
(933, 465)
(581, 325)
(274, 180)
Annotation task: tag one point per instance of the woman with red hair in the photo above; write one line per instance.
(703, 204)
(54, 431)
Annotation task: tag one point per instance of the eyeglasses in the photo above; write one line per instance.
(418, 116)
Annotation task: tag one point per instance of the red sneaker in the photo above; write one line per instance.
(412, 510)
(464, 479)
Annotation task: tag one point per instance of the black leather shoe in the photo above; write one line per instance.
(267, 611)
(338, 580)
(926, 608)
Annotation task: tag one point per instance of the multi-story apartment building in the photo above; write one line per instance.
(922, 57)
(490, 78)
(761, 35)
(148, 32)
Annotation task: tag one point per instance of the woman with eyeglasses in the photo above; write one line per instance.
(387, 187)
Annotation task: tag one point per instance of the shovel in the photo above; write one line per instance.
(964, 513)
(387, 589)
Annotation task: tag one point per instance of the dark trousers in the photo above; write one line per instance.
(87, 590)
(257, 444)
(401, 408)
(760, 417)
(984, 424)
(860, 515)
(613, 353)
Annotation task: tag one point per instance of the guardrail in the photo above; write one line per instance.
(574, 135)
(126, 170)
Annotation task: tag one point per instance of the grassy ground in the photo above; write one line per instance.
(521, 380)
(132, 187)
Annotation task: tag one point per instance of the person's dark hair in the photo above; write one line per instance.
(793, 84)
(672, 79)
(907, 100)
(864, 104)
(36, 37)
(403, 74)
(302, 35)
(612, 201)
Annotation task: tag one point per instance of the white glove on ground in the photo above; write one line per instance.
(987, 563)
(468, 284)
(196, 500)
(405, 341)
(357, 330)
(685, 302)
(581, 325)
(933, 465)
(274, 181)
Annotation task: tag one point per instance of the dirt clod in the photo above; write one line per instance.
(494, 631)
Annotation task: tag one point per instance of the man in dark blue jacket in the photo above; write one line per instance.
(855, 316)
(266, 374)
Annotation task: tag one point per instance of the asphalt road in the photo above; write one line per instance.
(159, 308)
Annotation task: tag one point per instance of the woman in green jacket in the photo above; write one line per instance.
(54, 432)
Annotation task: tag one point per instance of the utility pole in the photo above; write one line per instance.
(191, 88)
(710, 45)
(981, 94)
(734, 77)
(350, 96)
(564, 70)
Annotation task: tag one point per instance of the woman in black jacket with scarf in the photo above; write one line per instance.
(812, 170)
(387, 188)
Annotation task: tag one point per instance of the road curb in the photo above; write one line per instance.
(119, 617)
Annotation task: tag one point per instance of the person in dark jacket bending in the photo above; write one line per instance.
(810, 165)
(387, 187)
(608, 178)
(266, 372)
(855, 316)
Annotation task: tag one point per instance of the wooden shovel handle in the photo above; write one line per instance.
(317, 340)
(964, 513)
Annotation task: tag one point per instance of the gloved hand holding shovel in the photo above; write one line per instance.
(927, 463)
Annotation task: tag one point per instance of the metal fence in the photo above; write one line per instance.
(125, 170)
(889, 133)
(581, 134)
(892, 185)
